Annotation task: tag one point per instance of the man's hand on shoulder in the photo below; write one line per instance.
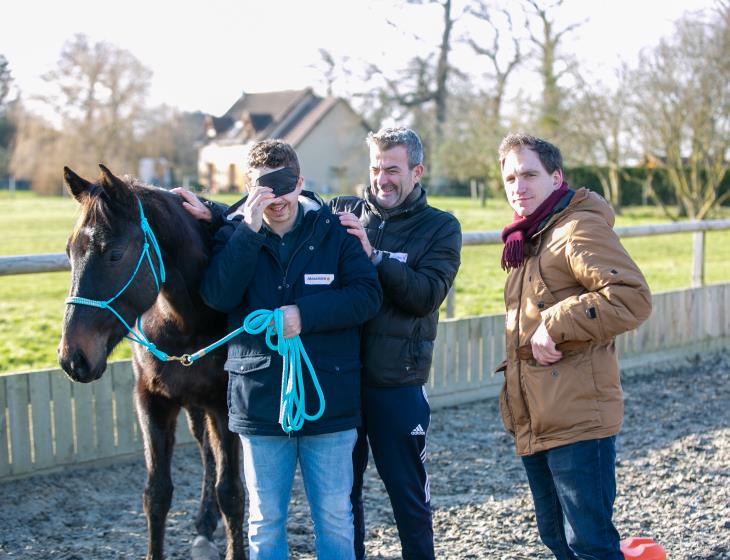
(354, 227)
(543, 347)
(193, 205)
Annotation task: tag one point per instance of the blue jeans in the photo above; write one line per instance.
(574, 487)
(269, 463)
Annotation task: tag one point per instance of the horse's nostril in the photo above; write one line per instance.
(74, 364)
(79, 363)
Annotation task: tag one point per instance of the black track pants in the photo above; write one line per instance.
(395, 422)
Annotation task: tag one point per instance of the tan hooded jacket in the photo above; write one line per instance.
(581, 282)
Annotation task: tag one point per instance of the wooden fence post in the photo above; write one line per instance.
(698, 259)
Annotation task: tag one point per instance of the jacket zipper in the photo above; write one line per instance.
(294, 254)
(379, 236)
(285, 271)
(519, 365)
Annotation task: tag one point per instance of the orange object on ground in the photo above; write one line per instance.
(642, 548)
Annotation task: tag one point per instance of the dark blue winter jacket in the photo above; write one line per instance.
(331, 280)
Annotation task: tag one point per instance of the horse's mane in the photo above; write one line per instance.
(164, 211)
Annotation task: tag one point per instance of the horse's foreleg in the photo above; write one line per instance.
(208, 513)
(157, 417)
(229, 489)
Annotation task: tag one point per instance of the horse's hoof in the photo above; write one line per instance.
(203, 549)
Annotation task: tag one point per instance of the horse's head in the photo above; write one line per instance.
(105, 250)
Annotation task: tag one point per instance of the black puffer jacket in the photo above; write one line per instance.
(423, 245)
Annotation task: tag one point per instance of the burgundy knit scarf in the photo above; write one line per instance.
(521, 230)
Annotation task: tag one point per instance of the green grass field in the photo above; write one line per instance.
(31, 306)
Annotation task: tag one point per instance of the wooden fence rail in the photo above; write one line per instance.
(56, 262)
(48, 422)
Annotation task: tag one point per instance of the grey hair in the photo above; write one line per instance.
(387, 138)
(548, 153)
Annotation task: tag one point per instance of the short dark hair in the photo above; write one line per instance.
(273, 153)
(548, 153)
(387, 138)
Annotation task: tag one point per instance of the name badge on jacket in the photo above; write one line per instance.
(318, 279)
(402, 257)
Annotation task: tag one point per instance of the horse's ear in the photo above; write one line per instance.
(114, 187)
(78, 186)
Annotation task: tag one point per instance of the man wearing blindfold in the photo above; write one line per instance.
(281, 247)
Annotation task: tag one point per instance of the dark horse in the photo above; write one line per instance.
(104, 249)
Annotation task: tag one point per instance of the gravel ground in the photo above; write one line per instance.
(673, 483)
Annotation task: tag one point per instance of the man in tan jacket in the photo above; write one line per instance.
(571, 289)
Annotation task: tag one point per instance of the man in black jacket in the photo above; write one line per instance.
(281, 247)
(416, 251)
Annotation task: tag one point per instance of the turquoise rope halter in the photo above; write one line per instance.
(139, 337)
(292, 409)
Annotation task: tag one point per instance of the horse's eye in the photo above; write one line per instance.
(116, 255)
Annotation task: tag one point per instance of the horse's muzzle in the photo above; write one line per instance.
(77, 367)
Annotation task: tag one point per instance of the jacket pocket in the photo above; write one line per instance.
(562, 397)
(504, 411)
(544, 298)
(247, 364)
(339, 378)
(420, 351)
(253, 390)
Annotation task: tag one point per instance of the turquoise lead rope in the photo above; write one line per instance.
(292, 408)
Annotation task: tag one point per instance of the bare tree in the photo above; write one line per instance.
(173, 135)
(5, 80)
(546, 44)
(7, 126)
(599, 123)
(439, 92)
(38, 152)
(500, 72)
(424, 81)
(683, 104)
(471, 135)
(328, 67)
(100, 93)
(471, 138)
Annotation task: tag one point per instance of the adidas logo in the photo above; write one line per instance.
(418, 431)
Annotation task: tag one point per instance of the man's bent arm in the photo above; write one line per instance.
(231, 269)
(420, 291)
(617, 298)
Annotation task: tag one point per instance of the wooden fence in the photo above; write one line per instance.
(48, 422)
(54, 262)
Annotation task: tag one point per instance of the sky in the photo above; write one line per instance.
(205, 54)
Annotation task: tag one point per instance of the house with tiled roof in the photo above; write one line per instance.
(327, 134)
